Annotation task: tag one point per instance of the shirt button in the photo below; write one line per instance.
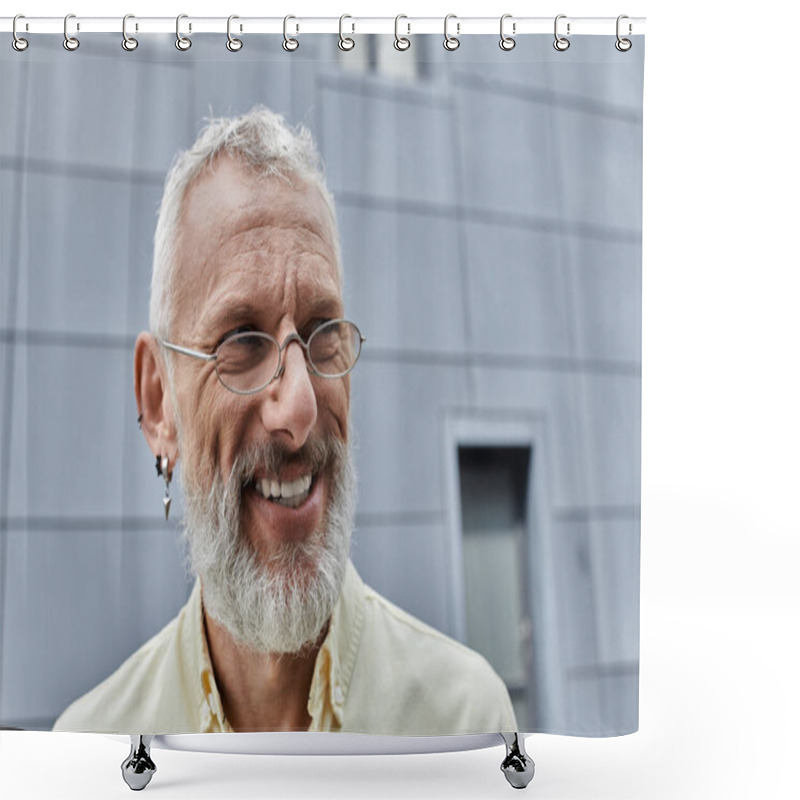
(338, 695)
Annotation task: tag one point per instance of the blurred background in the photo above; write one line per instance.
(490, 213)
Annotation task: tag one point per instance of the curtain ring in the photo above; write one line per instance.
(289, 44)
(346, 42)
(561, 43)
(70, 42)
(18, 43)
(233, 44)
(181, 42)
(401, 42)
(623, 45)
(507, 42)
(451, 42)
(128, 42)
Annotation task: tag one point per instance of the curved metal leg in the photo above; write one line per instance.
(517, 766)
(138, 768)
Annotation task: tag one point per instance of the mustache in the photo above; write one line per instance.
(317, 453)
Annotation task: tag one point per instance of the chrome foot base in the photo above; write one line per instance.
(138, 768)
(517, 766)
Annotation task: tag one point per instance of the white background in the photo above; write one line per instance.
(720, 432)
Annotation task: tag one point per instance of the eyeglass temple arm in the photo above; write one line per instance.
(187, 352)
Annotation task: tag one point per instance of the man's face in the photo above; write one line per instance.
(268, 478)
(257, 253)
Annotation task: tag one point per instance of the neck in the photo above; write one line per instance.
(261, 691)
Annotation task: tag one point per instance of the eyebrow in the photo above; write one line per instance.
(235, 312)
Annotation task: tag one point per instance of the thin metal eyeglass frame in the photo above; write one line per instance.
(292, 337)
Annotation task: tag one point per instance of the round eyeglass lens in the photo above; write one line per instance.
(334, 348)
(247, 361)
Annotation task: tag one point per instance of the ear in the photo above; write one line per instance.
(153, 399)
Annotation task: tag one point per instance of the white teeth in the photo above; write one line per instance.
(289, 493)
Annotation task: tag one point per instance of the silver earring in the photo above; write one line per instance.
(167, 499)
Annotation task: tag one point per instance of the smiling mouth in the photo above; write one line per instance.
(289, 494)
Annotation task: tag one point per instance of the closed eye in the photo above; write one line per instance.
(311, 326)
(235, 332)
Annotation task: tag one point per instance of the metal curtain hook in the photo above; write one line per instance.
(507, 42)
(233, 44)
(289, 44)
(401, 42)
(70, 42)
(345, 42)
(18, 43)
(128, 42)
(181, 42)
(451, 42)
(623, 45)
(561, 43)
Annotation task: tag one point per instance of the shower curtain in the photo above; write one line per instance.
(489, 210)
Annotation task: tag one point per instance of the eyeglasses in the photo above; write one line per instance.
(247, 362)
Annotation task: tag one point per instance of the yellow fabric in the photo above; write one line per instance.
(379, 671)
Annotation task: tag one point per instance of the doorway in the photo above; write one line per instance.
(494, 504)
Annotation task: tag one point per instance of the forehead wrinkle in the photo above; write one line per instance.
(258, 240)
(256, 212)
(259, 232)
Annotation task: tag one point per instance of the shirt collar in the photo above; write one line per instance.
(201, 694)
(337, 656)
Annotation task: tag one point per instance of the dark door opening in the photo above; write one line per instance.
(493, 485)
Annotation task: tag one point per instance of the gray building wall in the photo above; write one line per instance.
(490, 212)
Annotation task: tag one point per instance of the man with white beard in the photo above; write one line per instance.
(243, 379)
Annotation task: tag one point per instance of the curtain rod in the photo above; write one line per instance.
(459, 26)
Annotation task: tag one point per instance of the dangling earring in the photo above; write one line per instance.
(162, 468)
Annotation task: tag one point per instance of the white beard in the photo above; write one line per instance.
(281, 603)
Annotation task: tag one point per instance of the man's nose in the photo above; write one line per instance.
(289, 409)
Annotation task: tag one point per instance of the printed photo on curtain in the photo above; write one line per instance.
(321, 382)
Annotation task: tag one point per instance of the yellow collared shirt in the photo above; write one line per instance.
(379, 671)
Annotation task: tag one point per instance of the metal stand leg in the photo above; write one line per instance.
(518, 766)
(138, 768)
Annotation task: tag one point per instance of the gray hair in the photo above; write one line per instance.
(263, 141)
